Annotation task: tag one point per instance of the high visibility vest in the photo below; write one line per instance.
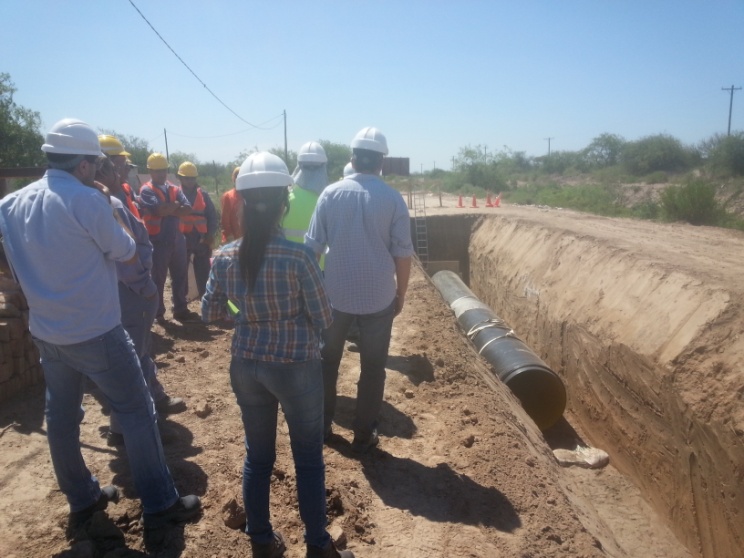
(197, 218)
(296, 222)
(129, 199)
(152, 222)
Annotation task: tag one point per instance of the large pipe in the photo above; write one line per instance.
(537, 387)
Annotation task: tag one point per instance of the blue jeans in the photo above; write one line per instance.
(110, 362)
(137, 316)
(259, 388)
(374, 342)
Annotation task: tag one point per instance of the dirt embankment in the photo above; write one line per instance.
(644, 322)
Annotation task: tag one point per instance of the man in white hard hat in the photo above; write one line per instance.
(365, 225)
(62, 241)
(310, 179)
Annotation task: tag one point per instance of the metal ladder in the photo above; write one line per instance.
(419, 220)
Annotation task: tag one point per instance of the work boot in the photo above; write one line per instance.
(363, 445)
(170, 405)
(273, 549)
(330, 551)
(185, 509)
(79, 518)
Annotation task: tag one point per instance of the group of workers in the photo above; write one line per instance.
(301, 263)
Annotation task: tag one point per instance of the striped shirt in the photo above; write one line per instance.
(281, 320)
(366, 225)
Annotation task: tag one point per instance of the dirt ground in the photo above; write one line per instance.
(461, 471)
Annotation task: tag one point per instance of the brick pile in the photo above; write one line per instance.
(19, 358)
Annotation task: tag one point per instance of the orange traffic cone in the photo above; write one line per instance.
(475, 202)
(459, 202)
(497, 201)
(488, 201)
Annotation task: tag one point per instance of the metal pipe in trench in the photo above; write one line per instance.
(537, 387)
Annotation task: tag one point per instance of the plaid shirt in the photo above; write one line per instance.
(281, 320)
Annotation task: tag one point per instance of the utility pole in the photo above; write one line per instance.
(165, 133)
(453, 162)
(731, 103)
(548, 140)
(422, 168)
(286, 152)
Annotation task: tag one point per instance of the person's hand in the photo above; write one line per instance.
(103, 189)
(400, 300)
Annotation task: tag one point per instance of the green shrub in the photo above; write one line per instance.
(657, 153)
(694, 202)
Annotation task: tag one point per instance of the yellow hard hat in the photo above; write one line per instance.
(111, 146)
(188, 169)
(157, 161)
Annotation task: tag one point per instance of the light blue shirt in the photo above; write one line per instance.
(365, 224)
(62, 241)
(136, 276)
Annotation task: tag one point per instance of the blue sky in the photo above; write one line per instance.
(434, 76)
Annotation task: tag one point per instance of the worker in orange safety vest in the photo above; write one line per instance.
(200, 226)
(163, 204)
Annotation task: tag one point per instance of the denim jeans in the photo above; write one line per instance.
(110, 362)
(137, 316)
(259, 388)
(374, 342)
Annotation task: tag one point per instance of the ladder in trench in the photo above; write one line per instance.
(421, 233)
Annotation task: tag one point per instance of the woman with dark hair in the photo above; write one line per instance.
(274, 290)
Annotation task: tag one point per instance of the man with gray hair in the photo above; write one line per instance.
(365, 225)
(63, 241)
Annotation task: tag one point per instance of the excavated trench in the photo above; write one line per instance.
(610, 324)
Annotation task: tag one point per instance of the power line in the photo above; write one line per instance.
(192, 71)
(233, 133)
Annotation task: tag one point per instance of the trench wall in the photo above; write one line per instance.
(613, 328)
(632, 358)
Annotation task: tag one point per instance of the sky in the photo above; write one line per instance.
(435, 76)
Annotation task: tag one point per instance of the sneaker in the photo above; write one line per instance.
(273, 549)
(185, 509)
(363, 445)
(329, 551)
(170, 405)
(114, 439)
(79, 518)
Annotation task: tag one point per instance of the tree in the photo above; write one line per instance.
(20, 139)
(138, 148)
(604, 151)
(338, 155)
(657, 153)
(177, 157)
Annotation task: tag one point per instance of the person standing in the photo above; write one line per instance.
(277, 287)
(138, 298)
(310, 178)
(365, 226)
(114, 150)
(232, 210)
(163, 204)
(62, 240)
(199, 226)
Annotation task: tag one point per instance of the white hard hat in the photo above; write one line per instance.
(348, 170)
(72, 137)
(312, 152)
(262, 170)
(370, 139)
